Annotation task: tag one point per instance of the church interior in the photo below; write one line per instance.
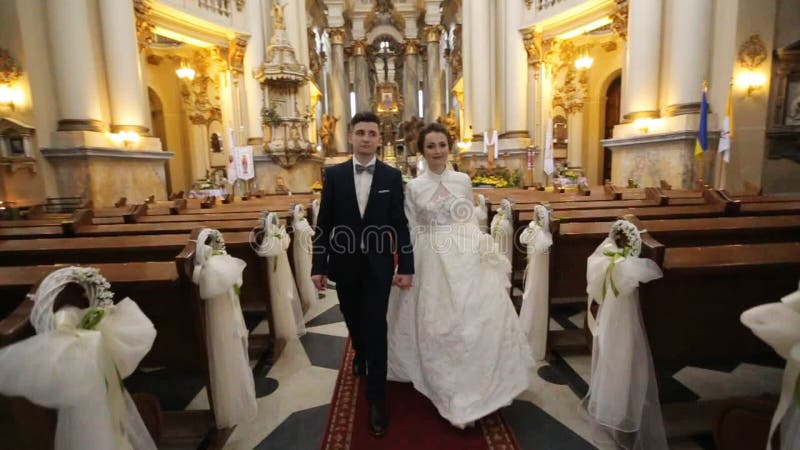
(126, 126)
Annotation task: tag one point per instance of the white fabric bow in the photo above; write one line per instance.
(76, 364)
(219, 279)
(778, 324)
(623, 395)
(534, 314)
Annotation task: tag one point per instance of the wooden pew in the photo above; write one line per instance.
(139, 248)
(693, 312)
(167, 300)
(574, 242)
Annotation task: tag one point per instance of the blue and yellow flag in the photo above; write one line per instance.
(701, 143)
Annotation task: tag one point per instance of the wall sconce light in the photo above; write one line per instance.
(584, 61)
(751, 80)
(125, 138)
(752, 54)
(10, 94)
(185, 72)
(646, 125)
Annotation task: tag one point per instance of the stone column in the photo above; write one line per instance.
(253, 59)
(433, 74)
(128, 109)
(361, 71)
(339, 93)
(640, 83)
(688, 57)
(410, 79)
(513, 61)
(533, 46)
(477, 68)
(78, 67)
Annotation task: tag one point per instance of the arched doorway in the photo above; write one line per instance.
(613, 96)
(159, 129)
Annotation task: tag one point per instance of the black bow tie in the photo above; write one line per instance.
(369, 169)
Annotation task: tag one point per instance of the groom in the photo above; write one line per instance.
(361, 223)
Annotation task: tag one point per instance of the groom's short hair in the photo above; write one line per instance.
(364, 116)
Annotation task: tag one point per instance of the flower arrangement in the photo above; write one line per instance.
(490, 180)
(270, 116)
(497, 178)
(316, 187)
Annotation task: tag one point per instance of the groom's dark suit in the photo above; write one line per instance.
(357, 253)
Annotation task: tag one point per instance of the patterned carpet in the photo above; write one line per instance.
(546, 417)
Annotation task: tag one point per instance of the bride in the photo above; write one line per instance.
(455, 334)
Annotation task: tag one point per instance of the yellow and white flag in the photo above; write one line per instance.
(726, 130)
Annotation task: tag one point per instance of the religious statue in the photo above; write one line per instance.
(326, 133)
(277, 16)
(449, 122)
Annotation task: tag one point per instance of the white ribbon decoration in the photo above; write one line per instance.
(623, 394)
(219, 277)
(490, 141)
(502, 231)
(778, 324)
(534, 314)
(80, 370)
(549, 165)
(482, 214)
(286, 307)
(314, 211)
(303, 241)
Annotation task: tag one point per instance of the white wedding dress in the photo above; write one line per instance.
(455, 333)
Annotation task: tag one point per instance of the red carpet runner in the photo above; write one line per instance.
(414, 422)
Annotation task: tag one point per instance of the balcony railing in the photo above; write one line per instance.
(544, 4)
(221, 7)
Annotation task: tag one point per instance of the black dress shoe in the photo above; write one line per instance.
(378, 420)
(359, 368)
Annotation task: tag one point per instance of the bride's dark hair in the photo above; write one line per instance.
(434, 127)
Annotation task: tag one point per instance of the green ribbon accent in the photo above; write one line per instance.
(237, 289)
(615, 256)
(92, 317)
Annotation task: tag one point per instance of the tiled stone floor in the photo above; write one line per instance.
(547, 416)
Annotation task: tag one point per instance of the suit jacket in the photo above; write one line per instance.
(342, 235)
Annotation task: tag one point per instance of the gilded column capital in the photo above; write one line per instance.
(533, 47)
(432, 33)
(337, 35)
(411, 46)
(619, 20)
(236, 50)
(359, 48)
(144, 24)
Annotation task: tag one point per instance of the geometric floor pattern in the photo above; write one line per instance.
(547, 416)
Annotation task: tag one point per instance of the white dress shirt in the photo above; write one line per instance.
(363, 182)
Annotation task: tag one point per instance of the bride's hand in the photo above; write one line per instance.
(402, 281)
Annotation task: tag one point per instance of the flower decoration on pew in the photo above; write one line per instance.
(627, 242)
(77, 360)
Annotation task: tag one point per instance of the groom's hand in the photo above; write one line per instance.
(320, 282)
(402, 281)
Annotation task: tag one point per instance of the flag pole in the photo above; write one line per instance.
(722, 171)
(700, 160)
